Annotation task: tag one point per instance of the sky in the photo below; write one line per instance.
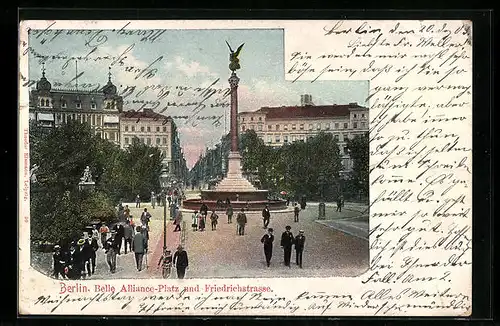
(172, 69)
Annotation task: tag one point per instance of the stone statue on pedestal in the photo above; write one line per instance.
(87, 176)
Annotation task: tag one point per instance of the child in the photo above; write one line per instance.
(214, 217)
(194, 223)
(166, 262)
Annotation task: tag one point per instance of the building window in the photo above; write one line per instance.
(260, 118)
(63, 104)
(242, 119)
(285, 127)
(252, 127)
(355, 125)
(310, 126)
(346, 125)
(164, 140)
(142, 129)
(259, 127)
(336, 125)
(277, 127)
(158, 141)
(79, 106)
(126, 140)
(318, 126)
(269, 139)
(355, 115)
(157, 129)
(143, 141)
(327, 126)
(336, 137)
(346, 151)
(363, 124)
(293, 138)
(93, 106)
(301, 137)
(294, 126)
(105, 135)
(243, 128)
(285, 138)
(149, 141)
(149, 129)
(269, 127)
(278, 138)
(362, 115)
(164, 129)
(133, 128)
(301, 127)
(126, 128)
(251, 118)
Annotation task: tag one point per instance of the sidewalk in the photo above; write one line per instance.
(357, 227)
(358, 207)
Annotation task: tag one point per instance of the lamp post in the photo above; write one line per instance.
(164, 177)
(322, 206)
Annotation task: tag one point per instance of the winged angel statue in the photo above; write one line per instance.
(234, 61)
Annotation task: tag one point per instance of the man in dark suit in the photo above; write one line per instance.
(266, 216)
(300, 239)
(181, 261)
(286, 243)
(267, 240)
(90, 247)
(139, 246)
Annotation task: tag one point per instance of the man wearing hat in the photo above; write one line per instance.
(266, 216)
(180, 261)
(286, 243)
(139, 246)
(59, 262)
(81, 257)
(241, 220)
(300, 239)
(111, 250)
(267, 240)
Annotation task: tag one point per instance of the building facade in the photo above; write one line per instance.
(277, 126)
(154, 129)
(100, 109)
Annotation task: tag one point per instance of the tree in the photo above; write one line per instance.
(359, 152)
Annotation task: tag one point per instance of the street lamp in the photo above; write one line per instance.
(322, 206)
(164, 178)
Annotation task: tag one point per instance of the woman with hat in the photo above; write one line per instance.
(181, 261)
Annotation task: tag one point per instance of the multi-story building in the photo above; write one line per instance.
(154, 129)
(100, 109)
(281, 125)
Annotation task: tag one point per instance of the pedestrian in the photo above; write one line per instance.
(111, 249)
(267, 240)
(121, 215)
(169, 199)
(296, 211)
(95, 232)
(287, 200)
(300, 239)
(128, 235)
(120, 234)
(59, 263)
(138, 201)
(158, 198)
(286, 243)
(241, 220)
(213, 219)
(339, 203)
(73, 265)
(139, 246)
(228, 202)
(90, 248)
(103, 230)
(145, 218)
(82, 258)
(145, 233)
(266, 216)
(153, 199)
(126, 212)
(201, 223)
(229, 213)
(181, 262)
(204, 211)
(178, 219)
(194, 223)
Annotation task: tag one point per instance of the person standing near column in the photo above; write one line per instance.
(286, 243)
(300, 239)
(267, 240)
(181, 262)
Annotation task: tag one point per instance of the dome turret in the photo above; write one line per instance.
(43, 84)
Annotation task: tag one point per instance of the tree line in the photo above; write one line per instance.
(59, 209)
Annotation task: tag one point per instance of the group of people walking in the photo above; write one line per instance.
(287, 242)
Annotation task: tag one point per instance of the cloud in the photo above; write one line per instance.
(193, 68)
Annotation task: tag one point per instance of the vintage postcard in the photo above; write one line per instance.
(245, 168)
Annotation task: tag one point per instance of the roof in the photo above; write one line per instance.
(315, 111)
(144, 114)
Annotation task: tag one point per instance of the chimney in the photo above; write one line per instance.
(306, 100)
(302, 100)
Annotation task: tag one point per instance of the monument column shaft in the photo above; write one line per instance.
(234, 118)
